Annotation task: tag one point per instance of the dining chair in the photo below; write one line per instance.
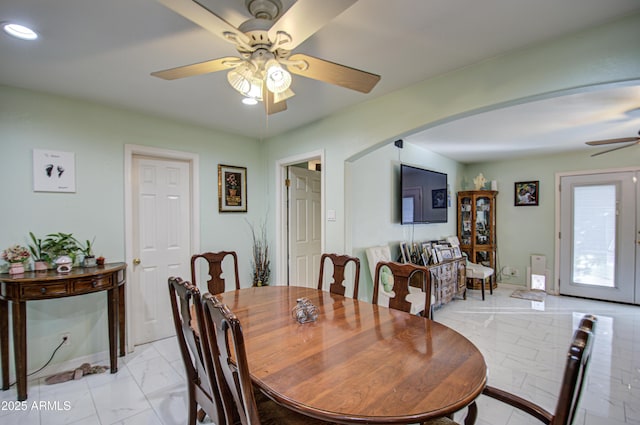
(391, 288)
(575, 370)
(339, 263)
(216, 283)
(242, 403)
(184, 297)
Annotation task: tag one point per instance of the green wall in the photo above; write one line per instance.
(97, 135)
(374, 180)
(523, 231)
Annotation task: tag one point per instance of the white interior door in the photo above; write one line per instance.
(305, 223)
(598, 235)
(161, 241)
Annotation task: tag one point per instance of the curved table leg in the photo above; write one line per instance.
(472, 414)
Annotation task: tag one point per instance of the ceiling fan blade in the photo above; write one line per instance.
(200, 68)
(305, 17)
(198, 14)
(270, 106)
(616, 148)
(334, 73)
(611, 141)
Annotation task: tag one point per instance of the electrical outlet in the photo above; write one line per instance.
(66, 338)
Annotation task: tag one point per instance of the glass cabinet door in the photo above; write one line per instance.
(465, 221)
(483, 221)
(484, 258)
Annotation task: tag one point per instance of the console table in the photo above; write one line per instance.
(16, 290)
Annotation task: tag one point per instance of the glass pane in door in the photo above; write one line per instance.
(594, 235)
(482, 220)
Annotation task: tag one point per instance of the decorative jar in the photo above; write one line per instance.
(305, 311)
(16, 268)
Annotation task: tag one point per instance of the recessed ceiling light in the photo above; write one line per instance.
(249, 101)
(19, 31)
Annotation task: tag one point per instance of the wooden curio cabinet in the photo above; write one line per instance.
(477, 228)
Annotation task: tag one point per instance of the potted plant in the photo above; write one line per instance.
(62, 248)
(16, 255)
(89, 259)
(260, 264)
(41, 259)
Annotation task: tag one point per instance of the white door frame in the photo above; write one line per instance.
(281, 208)
(129, 152)
(555, 290)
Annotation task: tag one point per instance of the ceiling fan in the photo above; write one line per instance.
(264, 44)
(631, 141)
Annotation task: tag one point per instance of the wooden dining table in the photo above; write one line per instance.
(358, 362)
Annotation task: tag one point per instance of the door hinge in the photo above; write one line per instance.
(287, 183)
(559, 235)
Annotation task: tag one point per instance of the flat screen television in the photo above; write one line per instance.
(423, 195)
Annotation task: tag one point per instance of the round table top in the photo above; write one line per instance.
(359, 362)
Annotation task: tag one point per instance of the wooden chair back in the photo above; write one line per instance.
(402, 274)
(185, 298)
(339, 266)
(216, 283)
(225, 337)
(575, 371)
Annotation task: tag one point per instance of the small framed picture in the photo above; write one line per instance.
(526, 193)
(54, 171)
(436, 256)
(439, 198)
(232, 188)
(446, 253)
(404, 251)
(456, 252)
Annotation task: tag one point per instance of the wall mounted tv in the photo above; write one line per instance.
(423, 195)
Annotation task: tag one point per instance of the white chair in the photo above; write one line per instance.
(475, 271)
(376, 254)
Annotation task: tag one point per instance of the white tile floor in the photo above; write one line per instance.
(524, 345)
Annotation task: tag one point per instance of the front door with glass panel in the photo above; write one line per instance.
(598, 234)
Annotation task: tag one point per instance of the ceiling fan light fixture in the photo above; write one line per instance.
(255, 89)
(278, 79)
(239, 82)
(245, 83)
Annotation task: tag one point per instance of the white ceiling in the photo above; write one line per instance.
(553, 125)
(103, 51)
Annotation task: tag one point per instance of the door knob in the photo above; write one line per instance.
(136, 261)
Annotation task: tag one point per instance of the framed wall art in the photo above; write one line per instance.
(54, 171)
(232, 188)
(526, 193)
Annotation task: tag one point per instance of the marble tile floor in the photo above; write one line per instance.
(524, 344)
